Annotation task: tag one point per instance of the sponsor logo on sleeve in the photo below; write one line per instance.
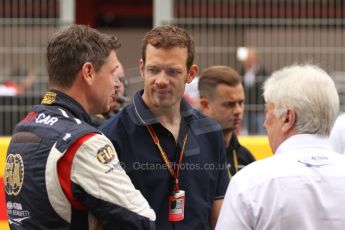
(105, 154)
(17, 214)
(14, 174)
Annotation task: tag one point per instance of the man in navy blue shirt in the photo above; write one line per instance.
(222, 98)
(173, 154)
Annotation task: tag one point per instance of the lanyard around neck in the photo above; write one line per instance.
(235, 160)
(165, 156)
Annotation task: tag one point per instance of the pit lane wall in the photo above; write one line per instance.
(258, 145)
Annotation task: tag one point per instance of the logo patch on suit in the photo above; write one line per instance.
(14, 174)
(48, 98)
(105, 154)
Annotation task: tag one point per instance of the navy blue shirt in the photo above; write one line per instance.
(202, 175)
(244, 156)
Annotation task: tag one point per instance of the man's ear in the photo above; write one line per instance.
(289, 120)
(204, 105)
(87, 71)
(193, 71)
(141, 67)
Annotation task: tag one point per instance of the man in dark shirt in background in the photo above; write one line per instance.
(222, 98)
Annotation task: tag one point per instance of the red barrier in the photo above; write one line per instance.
(3, 212)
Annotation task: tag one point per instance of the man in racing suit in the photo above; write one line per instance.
(60, 172)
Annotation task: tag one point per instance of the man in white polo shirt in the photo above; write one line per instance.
(302, 186)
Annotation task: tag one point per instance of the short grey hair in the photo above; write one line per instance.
(308, 90)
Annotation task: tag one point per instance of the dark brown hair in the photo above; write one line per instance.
(213, 76)
(70, 48)
(167, 37)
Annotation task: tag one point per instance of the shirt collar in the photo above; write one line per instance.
(145, 116)
(234, 143)
(301, 141)
(55, 97)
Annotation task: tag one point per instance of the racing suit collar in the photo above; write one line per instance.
(56, 97)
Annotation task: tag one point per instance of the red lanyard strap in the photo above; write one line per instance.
(165, 156)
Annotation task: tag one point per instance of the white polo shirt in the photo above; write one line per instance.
(301, 187)
(337, 137)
